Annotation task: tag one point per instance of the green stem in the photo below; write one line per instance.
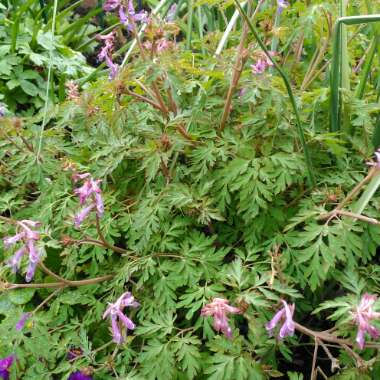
(189, 23)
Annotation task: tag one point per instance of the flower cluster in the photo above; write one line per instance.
(5, 364)
(285, 314)
(127, 13)
(28, 237)
(262, 63)
(118, 319)
(219, 309)
(105, 53)
(89, 193)
(159, 46)
(362, 316)
(72, 90)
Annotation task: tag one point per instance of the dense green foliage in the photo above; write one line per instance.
(196, 211)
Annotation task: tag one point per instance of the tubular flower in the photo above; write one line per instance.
(90, 195)
(262, 63)
(105, 53)
(362, 316)
(21, 322)
(5, 364)
(171, 13)
(118, 319)
(127, 13)
(281, 5)
(79, 375)
(28, 237)
(219, 309)
(286, 315)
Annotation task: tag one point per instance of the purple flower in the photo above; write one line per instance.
(118, 319)
(262, 63)
(21, 322)
(127, 14)
(2, 110)
(171, 13)
(28, 237)
(218, 309)
(5, 364)
(362, 316)
(78, 375)
(15, 260)
(111, 5)
(281, 5)
(105, 53)
(286, 315)
(89, 193)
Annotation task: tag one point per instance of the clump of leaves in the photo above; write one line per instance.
(194, 214)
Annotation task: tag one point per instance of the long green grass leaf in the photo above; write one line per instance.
(336, 72)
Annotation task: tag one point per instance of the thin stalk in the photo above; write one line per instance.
(290, 93)
(47, 84)
(190, 12)
(200, 28)
(90, 281)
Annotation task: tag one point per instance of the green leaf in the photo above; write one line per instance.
(21, 296)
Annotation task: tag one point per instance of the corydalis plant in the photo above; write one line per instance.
(90, 195)
(284, 315)
(105, 53)
(28, 237)
(118, 319)
(219, 308)
(363, 315)
(127, 13)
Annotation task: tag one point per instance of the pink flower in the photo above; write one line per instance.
(5, 364)
(286, 315)
(171, 13)
(28, 237)
(118, 319)
(362, 316)
(262, 63)
(219, 309)
(105, 53)
(89, 193)
(127, 14)
(282, 4)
